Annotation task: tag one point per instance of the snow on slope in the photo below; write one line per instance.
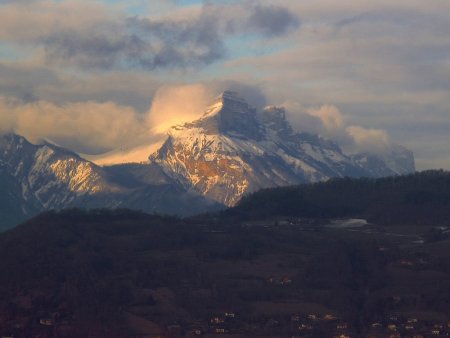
(233, 150)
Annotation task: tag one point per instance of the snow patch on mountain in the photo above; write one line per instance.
(234, 149)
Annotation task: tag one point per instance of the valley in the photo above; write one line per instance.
(259, 273)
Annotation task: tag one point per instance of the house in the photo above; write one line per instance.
(342, 326)
(392, 327)
(230, 315)
(220, 330)
(286, 281)
(305, 327)
(46, 321)
(406, 262)
(279, 280)
(395, 335)
(329, 317)
(217, 320)
(295, 318)
(196, 332)
(197, 329)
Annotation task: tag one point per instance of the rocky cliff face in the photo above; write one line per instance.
(49, 175)
(233, 150)
(35, 178)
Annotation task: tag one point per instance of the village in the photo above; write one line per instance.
(229, 324)
(280, 277)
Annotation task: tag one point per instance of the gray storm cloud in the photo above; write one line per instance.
(272, 20)
(105, 40)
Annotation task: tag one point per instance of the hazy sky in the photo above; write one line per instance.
(97, 75)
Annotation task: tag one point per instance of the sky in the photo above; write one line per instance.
(104, 76)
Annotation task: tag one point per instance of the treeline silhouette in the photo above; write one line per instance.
(420, 199)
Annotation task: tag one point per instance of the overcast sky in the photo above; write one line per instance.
(96, 75)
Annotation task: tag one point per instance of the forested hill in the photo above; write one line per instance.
(421, 198)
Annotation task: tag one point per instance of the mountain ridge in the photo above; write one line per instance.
(42, 177)
(233, 149)
(229, 152)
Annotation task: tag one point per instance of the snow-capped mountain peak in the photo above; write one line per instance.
(229, 114)
(233, 149)
(230, 99)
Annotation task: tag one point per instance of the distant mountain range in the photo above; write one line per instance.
(202, 166)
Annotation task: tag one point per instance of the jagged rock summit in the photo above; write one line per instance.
(233, 149)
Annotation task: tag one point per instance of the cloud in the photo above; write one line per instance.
(254, 94)
(369, 140)
(88, 127)
(177, 43)
(121, 133)
(92, 127)
(329, 122)
(384, 63)
(272, 20)
(174, 105)
(17, 1)
(91, 35)
(28, 82)
(330, 116)
(178, 104)
(138, 43)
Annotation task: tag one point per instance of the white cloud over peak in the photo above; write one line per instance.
(174, 105)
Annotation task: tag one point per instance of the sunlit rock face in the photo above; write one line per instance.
(234, 149)
(34, 178)
(51, 175)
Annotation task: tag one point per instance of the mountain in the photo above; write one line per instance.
(34, 178)
(233, 149)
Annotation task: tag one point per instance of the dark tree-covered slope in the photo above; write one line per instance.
(121, 274)
(421, 198)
